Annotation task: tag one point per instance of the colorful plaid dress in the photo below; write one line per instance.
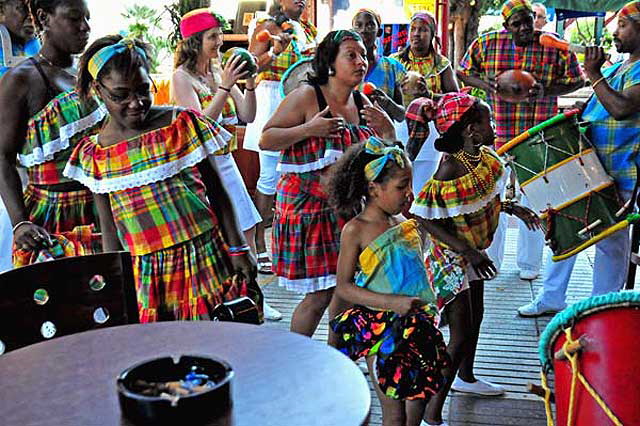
(410, 349)
(306, 230)
(51, 136)
(494, 52)
(468, 213)
(387, 75)
(163, 216)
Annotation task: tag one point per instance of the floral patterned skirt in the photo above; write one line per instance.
(410, 350)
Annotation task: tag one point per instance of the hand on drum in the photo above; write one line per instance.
(233, 71)
(322, 127)
(483, 266)
(379, 121)
(528, 216)
(31, 237)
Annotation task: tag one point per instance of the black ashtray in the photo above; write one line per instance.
(188, 390)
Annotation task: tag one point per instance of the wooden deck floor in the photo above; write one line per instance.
(507, 352)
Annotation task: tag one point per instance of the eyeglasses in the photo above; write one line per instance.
(143, 93)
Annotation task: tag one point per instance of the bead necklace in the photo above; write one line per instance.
(478, 183)
(471, 157)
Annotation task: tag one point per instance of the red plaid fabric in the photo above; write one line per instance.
(494, 52)
(451, 108)
(631, 11)
(418, 114)
(186, 281)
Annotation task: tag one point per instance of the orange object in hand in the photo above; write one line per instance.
(286, 26)
(263, 36)
(368, 88)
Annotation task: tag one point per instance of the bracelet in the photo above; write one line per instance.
(246, 89)
(238, 249)
(595, 83)
(225, 89)
(19, 224)
(242, 253)
(507, 207)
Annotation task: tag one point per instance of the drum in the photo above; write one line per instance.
(601, 334)
(560, 173)
(296, 74)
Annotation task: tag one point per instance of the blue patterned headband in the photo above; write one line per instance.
(387, 153)
(104, 55)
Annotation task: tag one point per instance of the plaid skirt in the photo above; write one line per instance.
(186, 281)
(410, 351)
(306, 235)
(70, 218)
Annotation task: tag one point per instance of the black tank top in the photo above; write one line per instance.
(357, 98)
(51, 91)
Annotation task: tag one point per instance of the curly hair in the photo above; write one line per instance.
(327, 52)
(452, 141)
(346, 183)
(49, 6)
(126, 62)
(188, 51)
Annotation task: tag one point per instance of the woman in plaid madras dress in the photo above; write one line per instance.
(157, 190)
(313, 136)
(461, 205)
(42, 119)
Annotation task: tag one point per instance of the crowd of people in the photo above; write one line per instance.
(387, 209)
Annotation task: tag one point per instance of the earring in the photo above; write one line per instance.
(332, 72)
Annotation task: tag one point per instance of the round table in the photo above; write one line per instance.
(281, 378)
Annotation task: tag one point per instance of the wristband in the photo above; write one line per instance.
(595, 83)
(238, 249)
(225, 89)
(19, 224)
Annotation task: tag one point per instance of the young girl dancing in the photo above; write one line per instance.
(157, 189)
(461, 205)
(394, 320)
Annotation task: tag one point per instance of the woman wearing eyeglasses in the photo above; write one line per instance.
(157, 189)
(42, 119)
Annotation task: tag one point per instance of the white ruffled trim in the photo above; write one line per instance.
(45, 153)
(147, 177)
(308, 285)
(444, 212)
(228, 120)
(330, 157)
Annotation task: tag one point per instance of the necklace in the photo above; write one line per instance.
(70, 70)
(470, 157)
(479, 185)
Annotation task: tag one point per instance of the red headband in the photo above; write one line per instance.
(198, 20)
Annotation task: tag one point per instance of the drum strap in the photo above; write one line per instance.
(357, 98)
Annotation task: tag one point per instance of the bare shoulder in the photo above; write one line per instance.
(18, 80)
(449, 169)
(303, 98)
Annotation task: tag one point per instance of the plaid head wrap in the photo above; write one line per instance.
(433, 26)
(451, 108)
(371, 12)
(630, 11)
(199, 20)
(512, 6)
(387, 153)
(104, 55)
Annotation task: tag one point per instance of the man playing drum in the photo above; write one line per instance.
(614, 113)
(556, 73)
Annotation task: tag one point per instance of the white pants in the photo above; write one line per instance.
(530, 244)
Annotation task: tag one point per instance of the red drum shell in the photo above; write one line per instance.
(610, 364)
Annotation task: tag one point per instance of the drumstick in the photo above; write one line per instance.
(572, 348)
(549, 40)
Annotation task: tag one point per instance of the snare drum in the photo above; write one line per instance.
(601, 334)
(559, 171)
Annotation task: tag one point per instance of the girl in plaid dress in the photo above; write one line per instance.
(157, 190)
(42, 120)
(312, 136)
(381, 269)
(460, 206)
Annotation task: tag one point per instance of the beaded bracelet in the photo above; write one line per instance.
(19, 224)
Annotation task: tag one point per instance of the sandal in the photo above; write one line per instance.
(264, 264)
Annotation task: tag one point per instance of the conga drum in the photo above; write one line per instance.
(560, 173)
(601, 334)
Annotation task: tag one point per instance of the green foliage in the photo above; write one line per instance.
(144, 23)
(583, 32)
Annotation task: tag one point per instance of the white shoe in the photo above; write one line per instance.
(536, 308)
(479, 387)
(271, 313)
(526, 274)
